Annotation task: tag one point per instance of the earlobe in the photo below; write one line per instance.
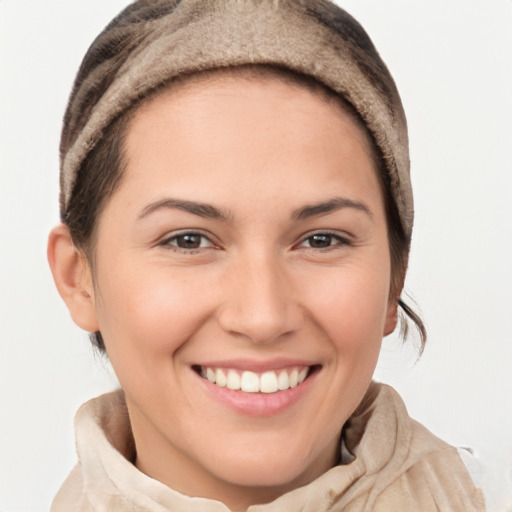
(72, 276)
(391, 317)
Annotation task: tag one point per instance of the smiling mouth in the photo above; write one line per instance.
(253, 382)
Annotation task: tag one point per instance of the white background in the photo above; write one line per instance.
(452, 62)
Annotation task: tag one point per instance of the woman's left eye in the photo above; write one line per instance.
(323, 241)
(188, 241)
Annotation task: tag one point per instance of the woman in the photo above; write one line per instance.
(237, 214)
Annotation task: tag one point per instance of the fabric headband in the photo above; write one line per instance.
(154, 41)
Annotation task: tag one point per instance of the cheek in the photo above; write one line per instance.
(353, 298)
(350, 304)
(149, 310)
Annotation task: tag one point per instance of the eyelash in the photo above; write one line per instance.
(339, 240)
(168, 242)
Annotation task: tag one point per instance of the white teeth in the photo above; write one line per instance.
(220, 378)
(294, 376)
(233, 381)
(252, 382)
(210, 375)
(283, 381)
(269, 382)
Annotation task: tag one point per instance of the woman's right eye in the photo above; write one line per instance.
(188, 241)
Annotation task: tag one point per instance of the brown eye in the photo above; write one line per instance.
(320, 241)
(188, 241)
(324, 241)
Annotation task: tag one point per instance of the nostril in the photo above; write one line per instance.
(260, 324)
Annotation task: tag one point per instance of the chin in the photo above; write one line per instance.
(270, 468)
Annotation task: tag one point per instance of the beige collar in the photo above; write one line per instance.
(393, 464)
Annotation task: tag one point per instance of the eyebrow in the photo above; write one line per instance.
(211, 212)
(330, 206)
(196, 208)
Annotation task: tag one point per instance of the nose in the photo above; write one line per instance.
(259, 302)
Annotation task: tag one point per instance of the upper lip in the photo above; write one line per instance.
(257, 366)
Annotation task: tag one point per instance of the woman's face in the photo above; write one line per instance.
(246, 246)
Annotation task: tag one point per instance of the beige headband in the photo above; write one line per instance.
(154, 41)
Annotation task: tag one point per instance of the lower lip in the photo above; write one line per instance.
(258, 404)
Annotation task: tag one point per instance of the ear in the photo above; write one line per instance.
(391, 317)
(72, 276)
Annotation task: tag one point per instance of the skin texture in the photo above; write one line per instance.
(256, 292)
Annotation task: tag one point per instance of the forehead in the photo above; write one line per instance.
(235, 128)
(282, 80)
